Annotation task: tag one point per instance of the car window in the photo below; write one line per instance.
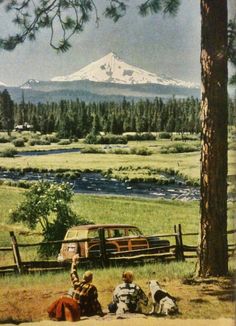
(76, 234)
(116, 233)
(134, 231)
(93, 233)
(71, 234)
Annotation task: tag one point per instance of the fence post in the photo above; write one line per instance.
(103, 254)
(177, 256)
(181, 246)
(16, 253)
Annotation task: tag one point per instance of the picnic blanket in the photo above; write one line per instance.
(64, 308)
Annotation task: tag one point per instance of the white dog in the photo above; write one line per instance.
(165, 302)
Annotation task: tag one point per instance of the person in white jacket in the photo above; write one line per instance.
(127, 296)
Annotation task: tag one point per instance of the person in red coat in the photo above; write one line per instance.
(84, 292)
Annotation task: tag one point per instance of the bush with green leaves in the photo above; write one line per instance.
(105, 139)
(140, 137)
(46, 205)
(93, 150)
(4, 139)
(164, 135)
(91, 139)
(35, 141)
(8, 152)
(64, 142)
(140, 151)
(185, 137)
(52, 138)
(113, 139)
(18, 142)
(119, 151)
(180, 148)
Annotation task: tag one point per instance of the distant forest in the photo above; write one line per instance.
(77, 118)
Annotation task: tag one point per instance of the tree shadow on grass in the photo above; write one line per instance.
(11, 320)
(222, 288)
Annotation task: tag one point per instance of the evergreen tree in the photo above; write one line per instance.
(6, 112)
(96, 125)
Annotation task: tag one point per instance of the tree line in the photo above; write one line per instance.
(77, 118)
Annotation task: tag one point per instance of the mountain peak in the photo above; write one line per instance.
(2, 84)
(112, 55)
(112, 69)
(29, 83)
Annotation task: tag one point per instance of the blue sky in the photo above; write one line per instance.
(165, 45)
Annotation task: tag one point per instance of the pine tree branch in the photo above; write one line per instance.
(31, 17)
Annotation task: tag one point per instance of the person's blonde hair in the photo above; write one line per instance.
(88, 276)
(128, 276)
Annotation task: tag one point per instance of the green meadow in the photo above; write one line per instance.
(151, 216)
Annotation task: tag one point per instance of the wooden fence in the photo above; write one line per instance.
(178, 251)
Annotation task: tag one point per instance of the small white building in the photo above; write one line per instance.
(24, 127)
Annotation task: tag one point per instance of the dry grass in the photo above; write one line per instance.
(27, 298)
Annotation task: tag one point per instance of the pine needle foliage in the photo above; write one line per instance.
(69, 16)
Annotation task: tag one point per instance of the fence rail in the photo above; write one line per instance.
(178, 251)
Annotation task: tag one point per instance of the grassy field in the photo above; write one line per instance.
(151, 216)
(186, 163)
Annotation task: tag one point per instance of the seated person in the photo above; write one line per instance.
(127, 296)
(84, 292)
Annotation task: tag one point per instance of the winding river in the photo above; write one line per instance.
(96, 183)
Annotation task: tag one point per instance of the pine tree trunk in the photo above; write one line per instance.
(213, 258)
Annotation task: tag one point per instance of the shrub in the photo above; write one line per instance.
(140, 137)
(179, 148)
(119, 151)
(18, 142)
(93, 150)
(40, 201)
(4, 139)
(106, 139)
(64, 142)
(140, 151)
(185, 137)
(113, 139)
(9, 152)
(51, 138)
(25, 138)
(164, 135)
(70, 175)
(33, 142)
(91, 139)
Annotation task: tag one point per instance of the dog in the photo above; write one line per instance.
(165, 302)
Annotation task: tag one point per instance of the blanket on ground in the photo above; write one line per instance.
(64, 308)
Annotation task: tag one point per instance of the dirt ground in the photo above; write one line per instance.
(200, 303)
(138, 321)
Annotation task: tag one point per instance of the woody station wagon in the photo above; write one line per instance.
(119, 237)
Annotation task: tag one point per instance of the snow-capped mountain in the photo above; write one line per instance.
(111, 69)
(2, 84)
(29, 83)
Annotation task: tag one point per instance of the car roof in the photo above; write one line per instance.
(97, 226)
